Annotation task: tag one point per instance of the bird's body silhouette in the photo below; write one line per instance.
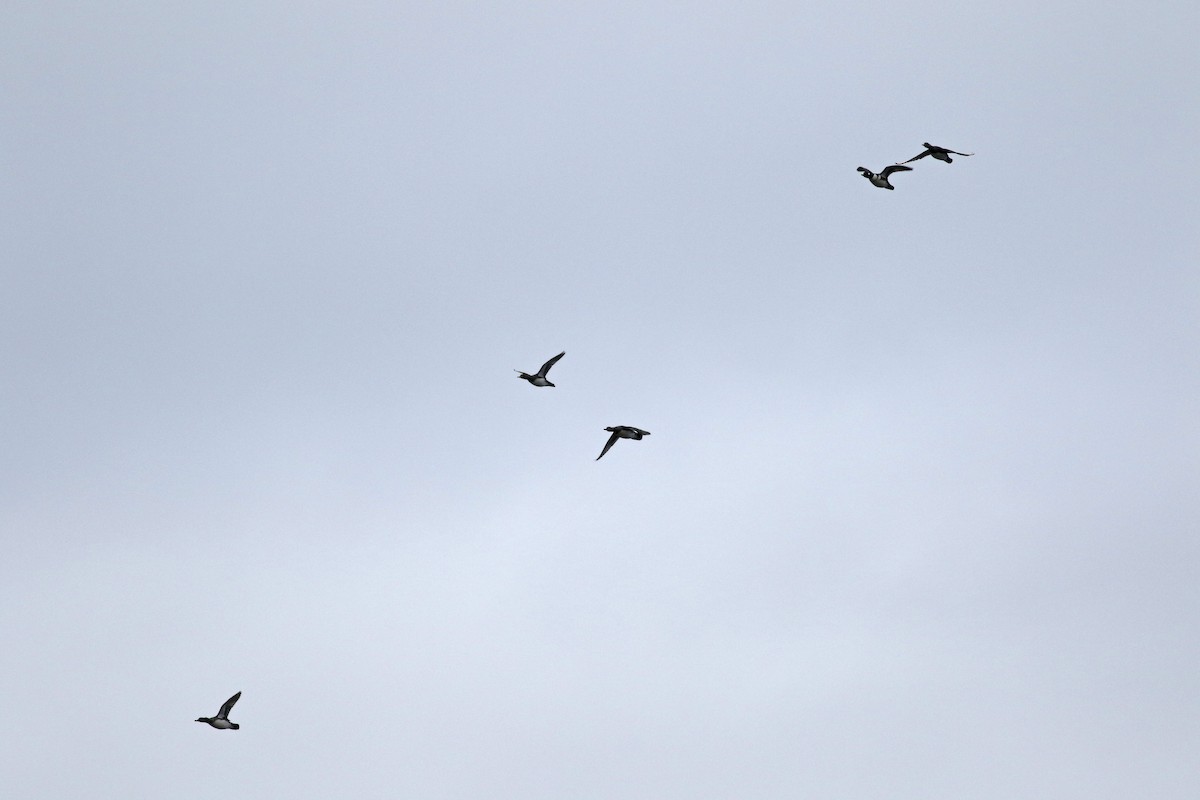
(221, 720)
(539, 378)
(940, 153)
(621, 432)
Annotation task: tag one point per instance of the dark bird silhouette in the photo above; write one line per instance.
(881, 179)
(940, 153)
(540, 378)
(221, 720)
(621, 432)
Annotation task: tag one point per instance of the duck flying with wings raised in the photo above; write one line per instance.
(221, 720)
(539, 378)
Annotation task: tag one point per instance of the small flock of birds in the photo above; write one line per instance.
(880, 179)
(618, 431)
(539, 379)
(221, 720)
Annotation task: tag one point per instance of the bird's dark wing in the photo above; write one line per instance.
(642, 432)
(895, 168)
(608, 444)
(224, 713)
(546, 367)
(914, 158)
(959, 154)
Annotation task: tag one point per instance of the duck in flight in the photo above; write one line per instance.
(621, 432)
(940, 153)
(881, 179)
(540, 378)
(221, 720)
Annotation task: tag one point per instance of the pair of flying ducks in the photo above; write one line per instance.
(617, 431)
(880, 179)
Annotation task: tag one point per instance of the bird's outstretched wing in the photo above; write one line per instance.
(224, 713)
(930, 149)
(546, 367)
(895, 168)
(642, 432)
(611, 440)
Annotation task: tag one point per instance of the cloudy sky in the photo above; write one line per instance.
(919, 515)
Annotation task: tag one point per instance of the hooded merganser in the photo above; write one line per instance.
(221, 720)
(621, 432)
(940, 153)
(540, 378)
(881, 179)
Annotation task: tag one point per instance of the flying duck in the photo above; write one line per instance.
(221, 720)
(540, 378)
(881, 179)
(621, 432)
(940, 153)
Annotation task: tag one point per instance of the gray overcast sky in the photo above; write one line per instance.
(919, 515)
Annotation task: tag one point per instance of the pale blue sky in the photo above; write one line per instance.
(918, 518)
